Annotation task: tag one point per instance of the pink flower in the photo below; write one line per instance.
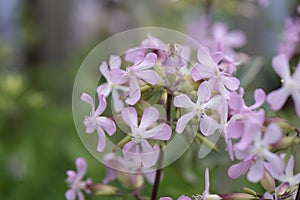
(129, 171)
(226, 41)
(257, 153)
(97, 122)
(208, 125)
(208, 68)
(75, 181)
(139, 71)
(109, 87)
(243, 118)
(139, 146)
(291, 84)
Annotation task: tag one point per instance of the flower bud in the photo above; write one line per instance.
(286, 142)
(237, 196)
(249, 191)
(105, 190)
(268, 182)
(130, 180)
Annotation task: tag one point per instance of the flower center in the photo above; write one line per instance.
(290, 85)
(137, 138)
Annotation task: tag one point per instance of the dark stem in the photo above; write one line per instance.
(161, 153)
(137, 197)
(298, 192)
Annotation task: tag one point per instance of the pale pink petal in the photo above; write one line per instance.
(101, 106)
(129, 115)
(81, 167)
(183, 101)
(135, 55)
(70, 194)
(148, 76)
(205, 58)
(296, 98)
(256, 172)
(130, 150)
(165, 198)
(208, 125)
(290, 167)
(296, 74)
(107, 125)
(160, 132)
(236, 39)
(235, 129)
(114, 62)
(274, 161)
(89, 124)
(218, 57)
(200, 71)
(134, 91)
(110, 175)
(88, 99)
(207, 183)
(104, 70)
(277, 98)
(203, 92)
(104, 89)
(183, 197)
(272, 135)
(236, 103)
(260, 97)
(71, 176)
(149, 117)
(118, 76)
(281, 66)
(147, 154)
(101, 139)
(80, 195)
(231, 82)
(183, 121)
(147, 63)
(150, 177)
(239, 169)
(250, 130)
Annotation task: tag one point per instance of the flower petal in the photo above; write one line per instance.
(160, 132)
(129, 115)
(204, 92)
(272, 135)
(205, 58)
(231, 82)
(114, 62)
(218, 57)
(290, 167)
(118, 104)
(81, 167)
(101, 139)
(256, 172)
(80, 195)
(183, 101)
(70, 194)
(148, 76)
(148, 62)
(150, 116)
(239, 169)
(101, 106)
(296, 98)
(277, 98)
(235, 129)
(274, 161)
(134, 91)
(118, 76)
(104, 89)
(281, 66)
(183, 121)
(88, 99)
(260, 97)
(148, 155)
(200, 71)
(130, 150)
(208, 125)
(107, 125)
(104, 70)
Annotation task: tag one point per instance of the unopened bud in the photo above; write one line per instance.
(130, 180)
(268, 182)
(249, 191)
(237, 196)
(286, 142)
(105, 190)
(164, 96)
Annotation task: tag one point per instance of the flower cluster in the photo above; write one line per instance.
(197, 98)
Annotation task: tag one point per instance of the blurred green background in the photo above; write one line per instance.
(42, 44)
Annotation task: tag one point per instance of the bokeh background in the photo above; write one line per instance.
(42, 44)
